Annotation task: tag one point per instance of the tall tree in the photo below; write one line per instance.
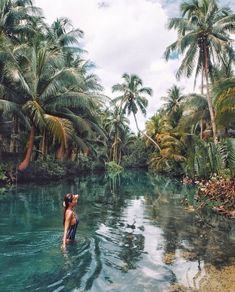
(46, 87)
(195, 114)
(116, 126)
(225, 102)
(15, 18)
(203, 37)
(133, 97)
(66, 38)
(173, 104)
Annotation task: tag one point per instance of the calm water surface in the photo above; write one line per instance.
(134, 235)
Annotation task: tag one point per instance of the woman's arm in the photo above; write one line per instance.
(68, 217)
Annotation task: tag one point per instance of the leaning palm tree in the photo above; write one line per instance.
(133, 97)
(203, 37)
(157, 124)
(44, 85)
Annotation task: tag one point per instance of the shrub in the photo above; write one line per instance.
(113, 167)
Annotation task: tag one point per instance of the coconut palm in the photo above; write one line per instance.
(225, 69)
(157, 124)
(133, 97)
(173, 104)
(115, 124)
(225, 102)
(15, 17)
(172, 152)
(173, 99)
(203, 37)
(195, 114)
(47, 90)
(62, 34)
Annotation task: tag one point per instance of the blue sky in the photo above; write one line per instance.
(126, 36)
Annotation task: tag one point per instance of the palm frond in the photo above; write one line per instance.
(60, 128)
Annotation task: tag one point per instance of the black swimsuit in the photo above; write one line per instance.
(72, 230)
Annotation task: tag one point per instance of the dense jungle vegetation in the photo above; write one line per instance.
(55, 120)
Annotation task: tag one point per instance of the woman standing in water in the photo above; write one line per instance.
(70, 218)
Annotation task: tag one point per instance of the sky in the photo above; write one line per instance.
(126, 36)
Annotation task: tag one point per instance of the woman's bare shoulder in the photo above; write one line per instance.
(68, 213)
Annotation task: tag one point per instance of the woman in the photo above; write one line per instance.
(70, 218)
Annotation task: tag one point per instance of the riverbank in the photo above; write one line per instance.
(221, 192)
(218, 193)
(47, 170)
(43, 171)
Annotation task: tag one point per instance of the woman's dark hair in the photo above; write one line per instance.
(68, 198)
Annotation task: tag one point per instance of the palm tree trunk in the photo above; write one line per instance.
(13, 134)
(201, 129)
(114, 148)
(201, 121)
(209, 100)
(69, 153)
(43, 144)
(1, 145)
(111, 153)
(25, 163)
(13, 141)
(147, 136)
(120, 156)
(16, 144)
(60, 152)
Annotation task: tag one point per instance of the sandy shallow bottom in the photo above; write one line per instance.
(211, 280)
(218, 279)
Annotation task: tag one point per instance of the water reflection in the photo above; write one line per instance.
(134, 235)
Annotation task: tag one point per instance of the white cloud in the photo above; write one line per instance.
(122, 36)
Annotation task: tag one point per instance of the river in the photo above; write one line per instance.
(137, 232)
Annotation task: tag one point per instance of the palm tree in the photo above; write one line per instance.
(17, 24)
(172, 152)
(173, 104)
(203, 37)
(44, 87)
(62, 34)
(116, 125)
(225, 102)
(195, 114)
(15, 18)
(133, 98)
(159, 123)
(224, 70)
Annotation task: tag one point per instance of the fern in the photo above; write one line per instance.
(212, 156)
(231, 155)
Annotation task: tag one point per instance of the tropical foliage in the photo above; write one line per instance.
(185, 124)
(53, 112)
(203, 40)
(51, 105)
(133, 97)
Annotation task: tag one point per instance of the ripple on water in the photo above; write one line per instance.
(29, 243)
(72, 265)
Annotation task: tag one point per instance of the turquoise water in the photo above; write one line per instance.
(134, 235)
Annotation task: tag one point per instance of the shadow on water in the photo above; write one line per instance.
(134, 234)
